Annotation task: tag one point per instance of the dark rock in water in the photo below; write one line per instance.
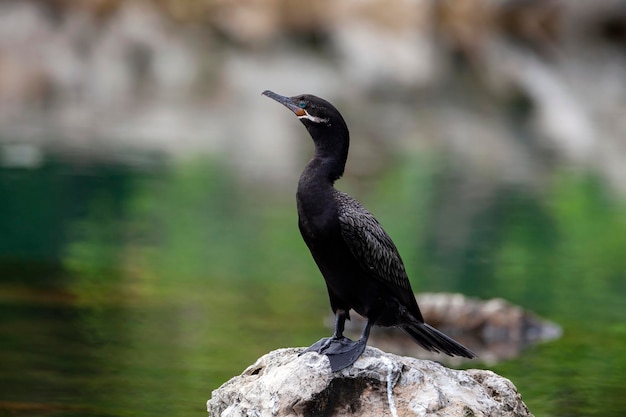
(282, 383)
(494, 329)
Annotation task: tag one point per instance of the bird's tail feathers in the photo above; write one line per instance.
(433, 340)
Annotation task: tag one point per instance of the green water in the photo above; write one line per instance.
(135, 292)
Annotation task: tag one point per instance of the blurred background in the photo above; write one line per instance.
(148, 241)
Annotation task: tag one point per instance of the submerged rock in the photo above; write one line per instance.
(281, 383)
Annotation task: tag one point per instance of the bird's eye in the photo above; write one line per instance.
(302, 104)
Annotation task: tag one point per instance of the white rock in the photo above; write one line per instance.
(282, 383)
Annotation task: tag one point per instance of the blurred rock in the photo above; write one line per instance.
(183, 77)
(282, 383)
(494, 329)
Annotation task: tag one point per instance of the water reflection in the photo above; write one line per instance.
(136, 292)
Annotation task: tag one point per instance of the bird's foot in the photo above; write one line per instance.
(341, 352)
(321, 345)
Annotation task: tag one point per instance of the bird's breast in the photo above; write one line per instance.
(317, 226)
(317, 216)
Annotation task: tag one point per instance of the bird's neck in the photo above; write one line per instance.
(328, 163)
(315, 196)
(320, 173)
(331, 154)
(316, 187)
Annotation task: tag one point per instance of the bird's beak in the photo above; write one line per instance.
(285, 101)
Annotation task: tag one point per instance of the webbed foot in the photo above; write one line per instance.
(341, 352)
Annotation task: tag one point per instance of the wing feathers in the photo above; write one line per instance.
(370, 244)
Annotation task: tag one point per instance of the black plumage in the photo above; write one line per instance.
(360, 264)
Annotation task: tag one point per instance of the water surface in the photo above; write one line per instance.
(135, 291)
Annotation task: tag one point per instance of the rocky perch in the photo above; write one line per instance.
(281, 383)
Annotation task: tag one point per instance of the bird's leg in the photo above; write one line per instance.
(366, 332)
(323, 344)
(340, 323)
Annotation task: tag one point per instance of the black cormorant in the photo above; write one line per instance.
(360, 264)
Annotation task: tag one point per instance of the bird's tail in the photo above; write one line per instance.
(433, 340)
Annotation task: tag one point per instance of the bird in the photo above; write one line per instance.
(360, 264)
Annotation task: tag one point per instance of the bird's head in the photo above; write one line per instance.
(314, 112)
(325, 125)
